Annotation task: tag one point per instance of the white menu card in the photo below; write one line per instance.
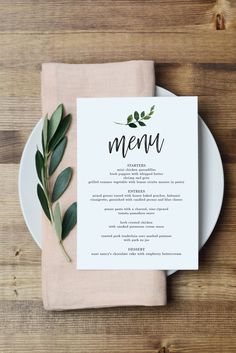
(137, 183)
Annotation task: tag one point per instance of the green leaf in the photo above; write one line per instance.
(45, 133)
(147, 117)
(151, 112)
(136, 115)
(61, 183)
(55, 121)
(153, 107)
(129, 119)
(60, 133)
(43, 201)
(141, 123)
(132, 125)
(57, 220)
(142, 114)
(43, 179)
(69, 220)
(39, 163)
(43, 147)
(57, 155)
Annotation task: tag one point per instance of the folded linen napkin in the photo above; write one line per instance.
(65, 287)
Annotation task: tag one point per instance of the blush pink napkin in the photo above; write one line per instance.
(65, 287)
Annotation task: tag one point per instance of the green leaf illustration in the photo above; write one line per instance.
(132, 125)
(61, 183)
(39, 163)
(57, 220)
(55, 121)
(60, 133)
(43, 201)
(57, 155)
(129, 119)
(69, 220)
(141, 123)
(138, 118)
(136, 115)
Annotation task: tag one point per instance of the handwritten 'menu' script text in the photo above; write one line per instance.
(145, 142)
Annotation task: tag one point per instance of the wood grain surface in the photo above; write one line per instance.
(193, 43)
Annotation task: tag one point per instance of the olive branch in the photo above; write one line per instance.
(136, 119)
(54, 142)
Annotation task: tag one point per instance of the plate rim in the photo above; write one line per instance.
(20, 172)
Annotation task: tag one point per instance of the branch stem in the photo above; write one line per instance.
(46, 191)
(64, 251)
(119, 123)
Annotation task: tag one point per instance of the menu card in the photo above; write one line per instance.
(137, 184)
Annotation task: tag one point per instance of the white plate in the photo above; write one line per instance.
(211, 182)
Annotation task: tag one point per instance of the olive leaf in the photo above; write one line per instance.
(147, 117)
(60, 133)
(43, 201)
(132, 125)
(61, 183)
(142, 114)
(69, 220)
(45, 133)
(129, 119)
(39, 163)
(136, 115)
(55, 121)
(141, 123)
(57, 220)
(57, 155)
